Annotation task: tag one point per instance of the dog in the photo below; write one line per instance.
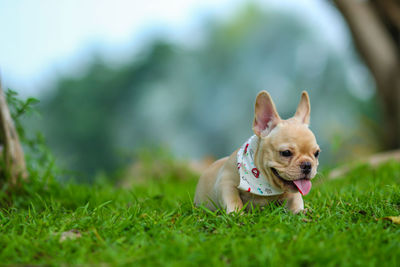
(276, 164)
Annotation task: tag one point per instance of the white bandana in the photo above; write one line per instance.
(251, 179)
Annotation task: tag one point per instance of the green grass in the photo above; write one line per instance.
(156, 224)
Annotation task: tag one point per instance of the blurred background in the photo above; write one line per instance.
(118, 80)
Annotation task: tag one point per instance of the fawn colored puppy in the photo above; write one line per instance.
(276, 164)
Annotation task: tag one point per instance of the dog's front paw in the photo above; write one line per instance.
(299, 210)
(295, 203)
(237, 207)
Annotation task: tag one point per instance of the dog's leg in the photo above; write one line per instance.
(231, 199)
(295, 203)
(228, 192)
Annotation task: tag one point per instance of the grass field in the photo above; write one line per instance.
(155, 224)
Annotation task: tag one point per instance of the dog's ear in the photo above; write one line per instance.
(266, 117)
(303, 110)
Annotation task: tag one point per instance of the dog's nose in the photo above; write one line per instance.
(305, 167)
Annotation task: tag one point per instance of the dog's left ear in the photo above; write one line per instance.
(266, 117)
(303, 110)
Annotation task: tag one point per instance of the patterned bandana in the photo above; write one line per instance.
(251, 179)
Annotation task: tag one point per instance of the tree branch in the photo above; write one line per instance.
(371, 38)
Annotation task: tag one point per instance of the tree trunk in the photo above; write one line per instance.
(375, 27)
(12, 163)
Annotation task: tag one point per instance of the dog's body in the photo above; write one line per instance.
(285, 155)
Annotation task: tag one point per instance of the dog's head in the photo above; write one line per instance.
(288, 152)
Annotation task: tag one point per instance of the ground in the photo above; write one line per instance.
(155, 223)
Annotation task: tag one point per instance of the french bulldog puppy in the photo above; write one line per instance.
(276, 164)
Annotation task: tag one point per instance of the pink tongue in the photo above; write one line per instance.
(303, 185)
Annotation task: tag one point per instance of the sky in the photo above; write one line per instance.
(37, 41)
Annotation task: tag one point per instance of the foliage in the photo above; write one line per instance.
(39, 160)
(198, 99)
(156, 224)
(83, 119)
(19, 108)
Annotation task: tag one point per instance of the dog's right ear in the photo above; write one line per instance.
(266, 117)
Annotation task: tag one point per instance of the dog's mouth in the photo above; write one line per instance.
(303, 185)
(280, 177)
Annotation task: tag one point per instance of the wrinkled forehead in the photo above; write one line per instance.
(292, 136)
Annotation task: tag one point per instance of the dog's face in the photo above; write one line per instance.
(289, 151)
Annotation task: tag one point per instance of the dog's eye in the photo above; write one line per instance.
(316, 154)
(286, 153)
